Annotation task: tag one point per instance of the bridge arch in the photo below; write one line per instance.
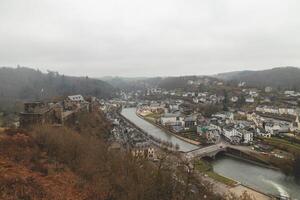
(210, 151)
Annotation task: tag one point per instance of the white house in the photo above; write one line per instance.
(253, 93)
(268, 89)
(172, 120)
(174, 107)
(247, 136)
(289, 92)
(273, 110)
(190, 82)
(204, 94)
(277, 126)
(76, 98)
(249, 100)
(231, 132)
(241, 84)
(234, 99)
(75, 102)
(263, 133)
(195, 100)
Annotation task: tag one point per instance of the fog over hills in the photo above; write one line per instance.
(24, 83)
(279, 77)
(28, 84)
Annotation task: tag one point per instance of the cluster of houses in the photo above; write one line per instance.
(278, 111)
(207, 98)
(178, 122)
(56, 113)
(211, 129)
(224, 124)
(179, 112)
(268, 127)
(203, 97)
(237, 135)
(291, 93)
(171, 114)
(244, 131)
(251, 94)
(220, 124)
(210, 132)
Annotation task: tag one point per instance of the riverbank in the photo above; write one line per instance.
(250, 157)
(225, 185)
(168, 131)
(156, 132)
(206, 168)
(149, 137)
(272, 183)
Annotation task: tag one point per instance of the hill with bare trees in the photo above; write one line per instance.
(280, 77)
(76, 163)
(26, 84)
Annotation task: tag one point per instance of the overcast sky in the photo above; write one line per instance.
(149, 38)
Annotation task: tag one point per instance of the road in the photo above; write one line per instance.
(206, 150)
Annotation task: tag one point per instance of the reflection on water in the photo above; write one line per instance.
(263, 179)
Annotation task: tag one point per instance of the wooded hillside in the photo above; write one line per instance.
(28, 84)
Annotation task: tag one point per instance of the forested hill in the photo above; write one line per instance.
(132, 84)
(28, 84)
(280, 77)
(169, 83)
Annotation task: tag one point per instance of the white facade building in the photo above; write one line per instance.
(249, 100)
(172, 119)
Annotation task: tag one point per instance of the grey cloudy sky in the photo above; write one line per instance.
(148, 38)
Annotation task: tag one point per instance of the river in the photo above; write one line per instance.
(263, 179)
(260, 178)
(130, 113)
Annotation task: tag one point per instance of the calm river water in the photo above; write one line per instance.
(130, 114)
(263, 179)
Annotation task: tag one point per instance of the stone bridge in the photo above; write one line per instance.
(212, 150)
(209, 151)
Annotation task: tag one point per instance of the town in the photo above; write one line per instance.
(208, 117)
(239, 114)
(150, 100)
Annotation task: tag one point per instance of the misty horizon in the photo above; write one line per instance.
(157, 38)
(47, 70)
